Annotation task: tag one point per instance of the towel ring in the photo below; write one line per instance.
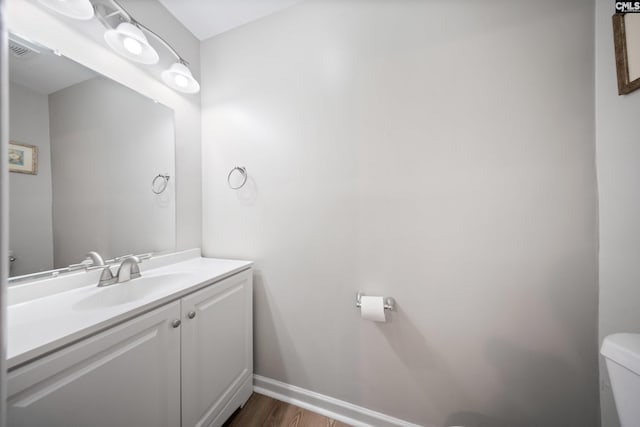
(163, 184)
(243, 172)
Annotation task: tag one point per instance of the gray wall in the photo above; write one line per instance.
(438, 152)
(187, 115)
(30, 226)
(107, 144)
(84, 43)
(618, 155)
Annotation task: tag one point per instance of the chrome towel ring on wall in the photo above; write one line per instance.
(159, 183)
(243, 173)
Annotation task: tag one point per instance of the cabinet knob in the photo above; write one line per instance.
(175, 323)
(191, 314)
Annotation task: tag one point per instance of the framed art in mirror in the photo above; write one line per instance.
(23, 158)
(626, 36)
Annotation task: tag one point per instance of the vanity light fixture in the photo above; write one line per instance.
(127, 37)
(179, 77)
(76, 9)
(129, 41)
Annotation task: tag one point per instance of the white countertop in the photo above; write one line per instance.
(38, 326)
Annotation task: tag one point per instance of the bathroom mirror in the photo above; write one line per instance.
(92, 164)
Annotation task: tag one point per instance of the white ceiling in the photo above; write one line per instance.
(207, 18)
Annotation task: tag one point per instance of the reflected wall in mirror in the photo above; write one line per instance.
(100, 145)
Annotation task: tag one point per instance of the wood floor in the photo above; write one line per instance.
(263, 411)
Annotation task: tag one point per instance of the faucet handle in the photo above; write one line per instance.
(106, 277)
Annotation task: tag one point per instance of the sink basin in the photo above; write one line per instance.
(126, 292)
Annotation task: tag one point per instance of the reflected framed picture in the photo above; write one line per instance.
(23, 158)
(626, 37)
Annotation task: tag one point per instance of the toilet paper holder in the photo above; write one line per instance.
(389, 303)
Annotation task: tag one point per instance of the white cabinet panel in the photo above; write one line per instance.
(126, 376)
(217, 351)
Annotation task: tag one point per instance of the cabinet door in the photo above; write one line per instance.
(127, 376)
(217, 351)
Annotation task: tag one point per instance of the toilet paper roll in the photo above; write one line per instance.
(372, 308)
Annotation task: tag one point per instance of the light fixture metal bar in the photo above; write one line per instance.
(132, 20)
(161, 40)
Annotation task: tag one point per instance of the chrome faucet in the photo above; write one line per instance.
(97, 262)
(95, 258)
(128, 269)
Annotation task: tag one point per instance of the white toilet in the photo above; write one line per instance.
(622, 353)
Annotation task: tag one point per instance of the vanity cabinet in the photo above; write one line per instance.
(187, 363)
(128, 375)
(217, 351)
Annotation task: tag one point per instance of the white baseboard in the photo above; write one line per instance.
(324, 405)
